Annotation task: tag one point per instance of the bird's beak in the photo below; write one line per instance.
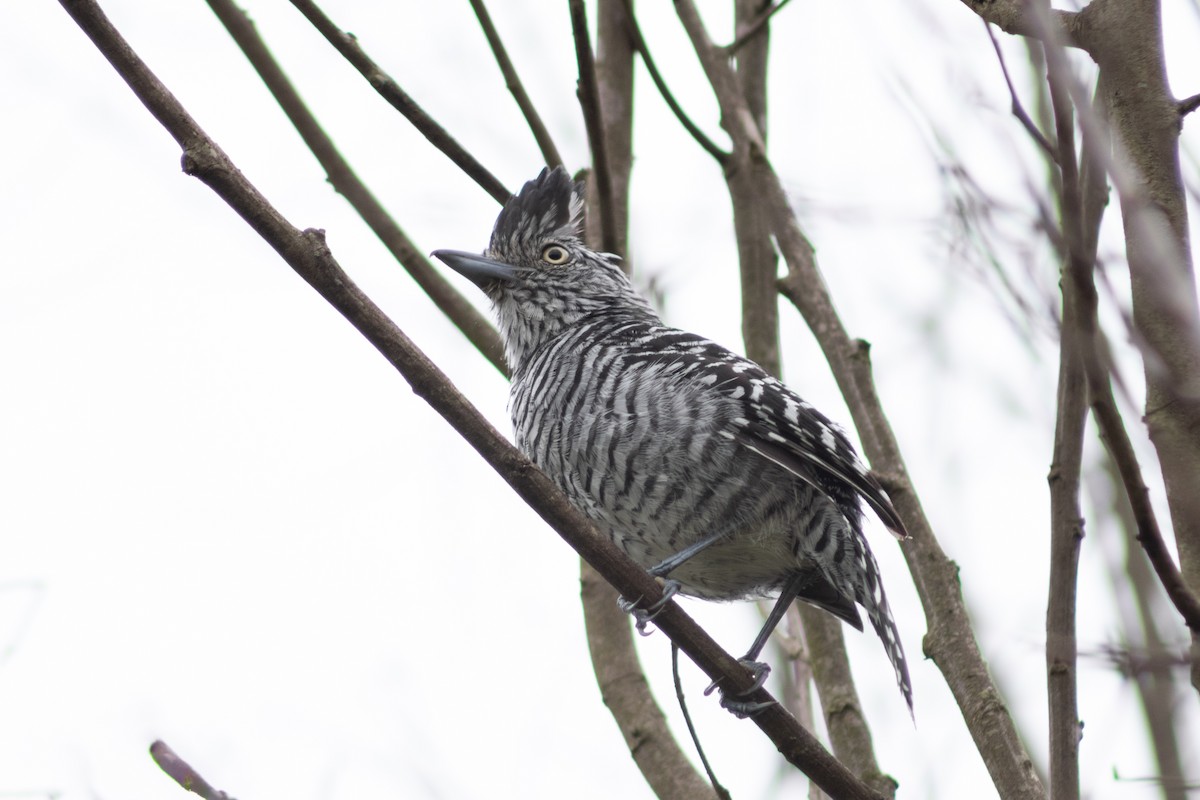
(479, 270)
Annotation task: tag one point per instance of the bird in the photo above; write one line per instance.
(698, 464)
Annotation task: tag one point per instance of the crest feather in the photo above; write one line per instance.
(550, 205)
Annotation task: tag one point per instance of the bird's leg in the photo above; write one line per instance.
(760, 669)
(667, 565)
(670, 587)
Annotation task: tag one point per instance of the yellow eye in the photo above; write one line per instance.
(555, 254)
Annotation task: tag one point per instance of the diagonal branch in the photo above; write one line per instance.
(352, 51)
(306, 252)
(513, 82)
(342, 177)
(183, 773)
(950, 642)
(1018, 110)
(639, 42)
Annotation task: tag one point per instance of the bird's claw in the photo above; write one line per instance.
(644, 616)
(745, 708)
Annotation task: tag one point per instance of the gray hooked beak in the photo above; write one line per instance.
(478, 269)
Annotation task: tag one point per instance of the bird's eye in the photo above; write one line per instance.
(555, 254)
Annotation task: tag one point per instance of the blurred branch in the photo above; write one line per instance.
(182, 772)
(342, 177)
(1019, 18)
(950, 641)
(1189, 105)
(750, 27)
(1018, 110)
(639, 43)
(589, 100)
(348, 46)
(1126, 42)
(306, 252)
(513, 82)
(1144, 657)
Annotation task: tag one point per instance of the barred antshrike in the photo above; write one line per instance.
(692, 459)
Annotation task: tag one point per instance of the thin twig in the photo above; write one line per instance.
(342, 177)
(589, 100)
(1018, 110)
(639, 42)
(721, 791)
(183, 773)
(626, 693)
(540, 133)
(950, 641)
(754, 27)
(348, 46)
(307, 253)
(1188, 105)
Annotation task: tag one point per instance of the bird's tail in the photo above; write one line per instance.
(874, 600)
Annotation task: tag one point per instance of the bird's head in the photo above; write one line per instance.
(537, 271)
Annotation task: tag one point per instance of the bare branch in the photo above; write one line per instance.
(623, 685)
(306, 252)
(1189, 105)
(849, 734)
(1145, 658)
(950, 641)
(540, 133)
(589, 99)
(752, 28)
(1066, 520)
(182, 772)
(614, 85)
(1016, 17)
(639, 42)
(1018, 110)
(348, 46)
(342, 177)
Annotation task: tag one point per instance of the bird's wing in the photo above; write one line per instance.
(778, 424)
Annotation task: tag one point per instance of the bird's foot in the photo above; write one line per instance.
(645, 616)
(734, 703)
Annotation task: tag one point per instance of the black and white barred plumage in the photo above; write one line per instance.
(664, 438)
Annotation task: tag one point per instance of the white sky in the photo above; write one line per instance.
(227, 522)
